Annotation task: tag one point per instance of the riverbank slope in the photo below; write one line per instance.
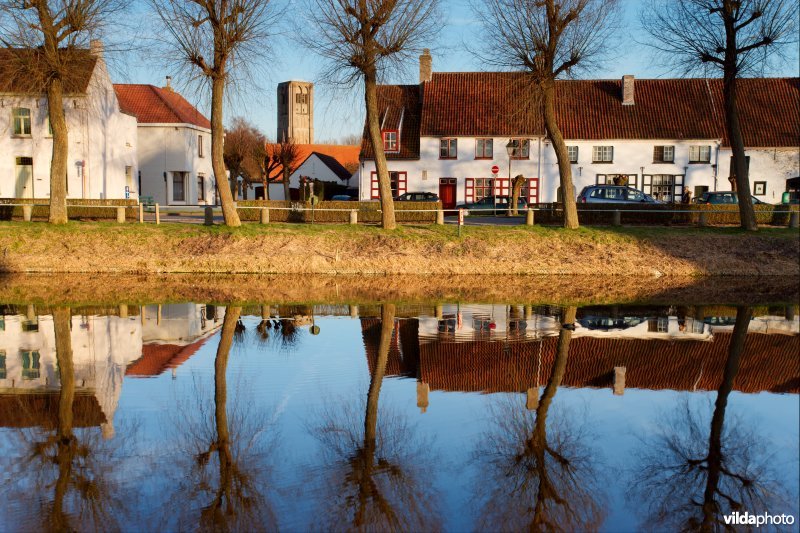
(94, 247)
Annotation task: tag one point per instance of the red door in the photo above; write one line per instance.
(447, 192)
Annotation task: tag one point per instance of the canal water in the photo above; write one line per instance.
(448, 416)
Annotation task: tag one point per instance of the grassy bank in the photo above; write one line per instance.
(96, 247)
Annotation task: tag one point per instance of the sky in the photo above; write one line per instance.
(339, 113)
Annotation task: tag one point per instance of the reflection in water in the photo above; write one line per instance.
(697, 471)
(534, 479)
(374, 469)
(227, 452)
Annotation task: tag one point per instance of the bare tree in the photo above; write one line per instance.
(516, 188)
(362, 40)
(50, 41)
(735, 36)
(548, 39)
(283, 156)
(216, 40)
(244, 151)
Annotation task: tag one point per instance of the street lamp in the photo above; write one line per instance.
(511, 149)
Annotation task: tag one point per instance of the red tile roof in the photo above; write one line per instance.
(158, 105)
(488, 103)
(40, 409)
(398, 102)
(343, 154)
(157, 358)
(16, 76)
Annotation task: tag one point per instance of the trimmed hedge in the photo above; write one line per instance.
(42, 212)
(73, 201)
(281, 211)
(663, 214)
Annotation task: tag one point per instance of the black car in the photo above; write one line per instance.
(417, 197)
(722, 198)
(492, 205)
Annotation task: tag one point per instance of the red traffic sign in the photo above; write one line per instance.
(495, 169)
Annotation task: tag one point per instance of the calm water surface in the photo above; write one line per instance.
(451, 417)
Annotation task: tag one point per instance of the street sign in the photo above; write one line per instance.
(460, 217)
(495, 169)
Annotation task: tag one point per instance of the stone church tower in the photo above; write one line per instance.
(296, 112)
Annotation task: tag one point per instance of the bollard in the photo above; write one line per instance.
(27, 212)
(123, 310)
(440, 217)
(141, 213)
(617, 220)
(158, 215)
(265, 215)
(701, 220)
(121, 215)
(208, 216)
(619, 380)
(532, 399)
(353, 217)
(423, 389)
(794, 219)
(529, 217)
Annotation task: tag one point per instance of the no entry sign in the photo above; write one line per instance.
(495, 169)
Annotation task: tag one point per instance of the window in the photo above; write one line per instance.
(572, 152)
(448, 149)
(522, 148)
(665, 187)
(201, 188)
(397, 180)
(602, 154)
(179, 186)
(201, 149)
(300, 98)
(22, 120)
(129, 178)
(759, 188)
(390, 143)
(477, 189)
(663, 154)
(484, 149)
(699, 154)
(30, 364)
(2, 364)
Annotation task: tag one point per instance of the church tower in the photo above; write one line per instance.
(296, 112)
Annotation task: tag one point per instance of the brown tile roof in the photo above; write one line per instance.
(158, 105)
(343, 154)
(157, 358)
(396, 102)
(486, 103)
(16, 72)
(40, 409)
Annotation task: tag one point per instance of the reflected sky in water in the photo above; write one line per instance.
(390, 417)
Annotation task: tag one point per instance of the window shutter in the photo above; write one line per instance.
(533, 190)
(678, 190)
(658, 153)
(647, 183)
(469, 190)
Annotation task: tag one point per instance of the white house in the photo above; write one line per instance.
(174, 145)
(102, 139)
(323, 162)
(449, 133)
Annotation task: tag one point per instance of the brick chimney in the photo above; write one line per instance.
(96, 48)
(627, 89)
(168, 86)
(425, 66)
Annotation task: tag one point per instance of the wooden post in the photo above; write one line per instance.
(440, 217)
(794, 219)
(141, 213)
(701, 220)
(529, 217)
(265, 215)
(619, 380)
(27, 212)
(353, 311)
(617, 218)
(121, 215)
(532, 399)
(208, 216)
(422, 396)
(123, 310)
(354, 217)
(158, 215)
(158, 313)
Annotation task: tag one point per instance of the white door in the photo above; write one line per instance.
(24, 178)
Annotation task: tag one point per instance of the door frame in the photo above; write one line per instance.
(449, 182)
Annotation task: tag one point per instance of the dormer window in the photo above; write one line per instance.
(21, 117)
(390, 143)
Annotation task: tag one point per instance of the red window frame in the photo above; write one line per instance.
(521, 142)
(531, 190)
(386, 147)
(470, 186)
(452, 146)
(502, 187)
(402, 184)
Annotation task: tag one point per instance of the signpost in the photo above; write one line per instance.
(460, 220)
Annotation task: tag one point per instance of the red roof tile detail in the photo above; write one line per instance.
(398, 102)
(157, 358)
(344, 154)
(16, 76)
(157, 105)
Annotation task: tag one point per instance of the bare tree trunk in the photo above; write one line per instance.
(223, 444)
(58, 166)
(384, 185)
(371, 418)
(65, 441)
(560, 147)
(217, 153)
(287, 190)
(747, 213)
(516, 189)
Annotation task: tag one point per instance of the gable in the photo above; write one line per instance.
(158, 105)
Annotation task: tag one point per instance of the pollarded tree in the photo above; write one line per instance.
(244, 151)
(735, 36)
(48, 43)
(548, 40)
(362, 40)
(216, 41)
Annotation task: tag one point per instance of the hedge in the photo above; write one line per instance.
(73, 201)
(281, 211)
(42, 212)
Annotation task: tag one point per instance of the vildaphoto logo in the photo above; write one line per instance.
(741, 519)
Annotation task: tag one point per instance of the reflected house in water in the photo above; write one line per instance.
(102, 348)
(502, 349)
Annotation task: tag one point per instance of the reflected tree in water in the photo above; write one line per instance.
(536, 472)
(228, 451)
(374, 463)
(697, 470)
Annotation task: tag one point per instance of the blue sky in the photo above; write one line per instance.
(338, 114)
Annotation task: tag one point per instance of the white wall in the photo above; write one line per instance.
(179, 323)
(168, 148)
(630, 157)
(102, 142)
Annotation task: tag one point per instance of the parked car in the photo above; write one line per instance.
(494, 203)
(721, 198)
(341, 198)
(614, 194)
(417, 197)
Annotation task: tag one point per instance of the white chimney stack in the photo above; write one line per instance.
(425, 66)
(169, 83)
(96, 48)
(627, 89)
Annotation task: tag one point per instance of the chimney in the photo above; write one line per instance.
(425, 66)
(627, 89)
(96, 48)
(169, 83)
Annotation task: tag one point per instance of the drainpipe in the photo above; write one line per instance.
(716, 166)
(539, 166)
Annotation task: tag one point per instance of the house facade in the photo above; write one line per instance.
(453, 132)
(174, 145)
(330, 163)
(102, 139)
